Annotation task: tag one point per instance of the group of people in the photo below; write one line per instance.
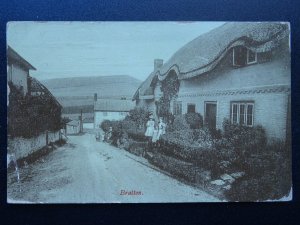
(155, 130)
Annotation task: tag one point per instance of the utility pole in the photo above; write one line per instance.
(81, 123)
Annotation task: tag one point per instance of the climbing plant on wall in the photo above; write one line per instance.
(169, 88)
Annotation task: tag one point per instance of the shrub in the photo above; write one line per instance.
(202, 138)
(195, 120)
(105, 125)
(138, 134)
(245, 140)
(176, 167)
(268, 175)
(139, 116)
(186, 144)
(125, 128)
(179, 123)
(133, 130)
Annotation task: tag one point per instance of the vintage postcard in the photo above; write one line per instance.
(142, 112)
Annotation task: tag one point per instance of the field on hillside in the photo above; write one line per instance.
(77, 93)
(104, 86)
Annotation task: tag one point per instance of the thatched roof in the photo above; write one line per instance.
(114, 105)
(203, 53)
(46, 95)
(145, 88)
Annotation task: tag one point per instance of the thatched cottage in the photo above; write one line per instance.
(239, 71)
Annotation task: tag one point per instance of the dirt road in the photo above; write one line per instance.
(86, 171)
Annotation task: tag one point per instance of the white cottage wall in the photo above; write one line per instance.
(100, 116)
(267, 84)
(19, 77)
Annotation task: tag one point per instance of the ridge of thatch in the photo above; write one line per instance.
(203, 53)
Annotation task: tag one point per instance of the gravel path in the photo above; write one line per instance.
(86, 171)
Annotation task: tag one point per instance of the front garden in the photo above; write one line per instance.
(236, 164)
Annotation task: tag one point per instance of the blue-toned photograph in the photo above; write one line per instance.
(148, 112)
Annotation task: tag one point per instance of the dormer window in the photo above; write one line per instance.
(251, 57)
(242, 56)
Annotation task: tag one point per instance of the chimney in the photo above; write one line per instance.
(95, 97)
(158, 63)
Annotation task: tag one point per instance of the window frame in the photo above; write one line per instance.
(176, 103)
(238, 104)
(247, 62)
(252, 62)
(190, 104)
(234, 49)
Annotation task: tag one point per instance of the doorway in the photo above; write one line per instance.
(211, 115)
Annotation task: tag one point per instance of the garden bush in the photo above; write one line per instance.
(268, 175)
(139, 116)
(105, 125)
(186, 143)
(246, 140)
(179, 168)
(178, 124)
(125, 127)
(195, 120)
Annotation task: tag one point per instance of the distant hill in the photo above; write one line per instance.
(79, 91)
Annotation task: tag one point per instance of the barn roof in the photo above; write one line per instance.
(13, 56)
(46, 95)
(203, 53)
(114, 105)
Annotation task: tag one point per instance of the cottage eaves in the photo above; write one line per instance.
(13, 56)
(203, 53)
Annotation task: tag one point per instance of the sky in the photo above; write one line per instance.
(75, 49)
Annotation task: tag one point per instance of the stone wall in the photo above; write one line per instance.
(22, 147)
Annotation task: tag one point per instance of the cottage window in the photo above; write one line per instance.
(239, 56)
(242, 113)
(177, 107)
(251, 57)
(243, 56)
(191, 108)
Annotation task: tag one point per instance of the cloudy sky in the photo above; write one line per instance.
(72, 49)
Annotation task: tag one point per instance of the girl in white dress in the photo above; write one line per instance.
(161, 127)
(150, 127)
(155, 136)
(149, 133)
